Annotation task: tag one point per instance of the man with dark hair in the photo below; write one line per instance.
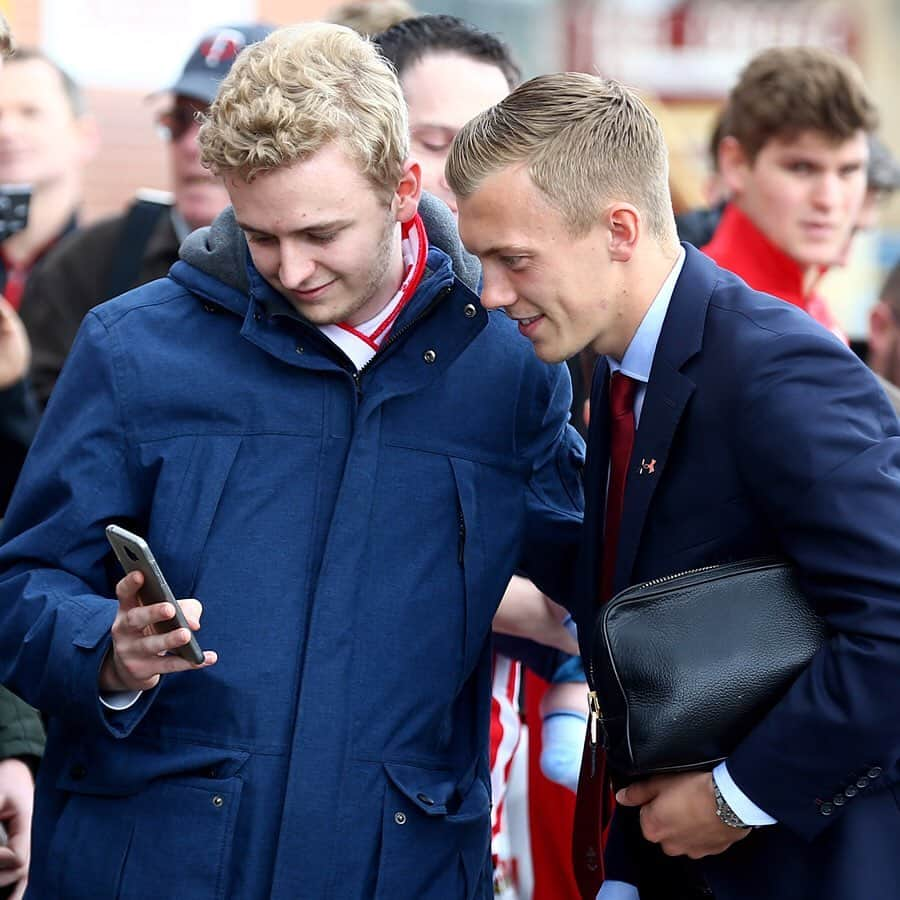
(46, 140)
(794, 159)
(449, 71)
(140, 245)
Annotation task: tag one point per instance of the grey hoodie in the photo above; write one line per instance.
(219, 250)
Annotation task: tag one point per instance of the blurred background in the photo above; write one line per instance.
(684, 56)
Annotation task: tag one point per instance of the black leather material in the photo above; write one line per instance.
(685, 666)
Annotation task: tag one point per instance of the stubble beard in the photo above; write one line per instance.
(381, 264)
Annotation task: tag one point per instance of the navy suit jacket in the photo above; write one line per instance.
(770, 437)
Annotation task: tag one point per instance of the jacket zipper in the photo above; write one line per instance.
(395, 336)
(595, 711)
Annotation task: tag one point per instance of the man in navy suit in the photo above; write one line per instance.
(757, 432)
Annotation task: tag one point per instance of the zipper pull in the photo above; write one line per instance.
(594, 707)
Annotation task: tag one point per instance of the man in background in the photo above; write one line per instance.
(793, 156)
(47, 139)
(117, 254)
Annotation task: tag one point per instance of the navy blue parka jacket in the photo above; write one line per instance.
(350, 539)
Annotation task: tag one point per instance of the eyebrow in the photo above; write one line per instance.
(505, 250)
(332, 225)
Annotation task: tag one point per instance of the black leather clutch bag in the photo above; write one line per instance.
(685, 666)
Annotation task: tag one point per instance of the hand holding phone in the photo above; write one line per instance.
(146, 633)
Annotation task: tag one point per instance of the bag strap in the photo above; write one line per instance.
(129, 251)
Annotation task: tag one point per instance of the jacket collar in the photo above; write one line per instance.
(739, 246)
(668, 392)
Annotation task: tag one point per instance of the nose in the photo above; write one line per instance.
(294, 267)
(828, 190)
(496, 291)
(446, 194)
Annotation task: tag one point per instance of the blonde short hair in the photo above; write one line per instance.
(586, 142)
(301, 88)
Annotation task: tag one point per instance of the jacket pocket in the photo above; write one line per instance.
(170, 838)
(436, 834)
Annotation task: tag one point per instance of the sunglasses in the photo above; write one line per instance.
(180, 119)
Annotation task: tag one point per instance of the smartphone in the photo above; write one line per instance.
(134, 554)
(15, 200)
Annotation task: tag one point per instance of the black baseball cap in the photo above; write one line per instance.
(212, 58)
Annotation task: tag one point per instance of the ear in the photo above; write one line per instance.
(409, 191)
(625, 227)
(881, 324)
(734, 165)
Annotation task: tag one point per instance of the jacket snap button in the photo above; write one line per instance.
(839, 799)
(78, 771)
(424, 798)
(826, 809)
(429, 356)
(298, 348)
(874, 772)
(862, 783)
(257, 316)
(469, 311)
(400, 818)
(218, 801)
(851, 791)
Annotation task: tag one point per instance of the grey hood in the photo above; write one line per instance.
(220, 250)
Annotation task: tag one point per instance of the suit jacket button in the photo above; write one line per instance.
(862, 783)
(874, 772)
(839, 799)
(826, 809)
(851, 790)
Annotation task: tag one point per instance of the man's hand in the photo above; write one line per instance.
(139, 655)
(15, 352)
(16, 805)
(525, 612)
(678, 812)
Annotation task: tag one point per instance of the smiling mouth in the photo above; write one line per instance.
(311, 292)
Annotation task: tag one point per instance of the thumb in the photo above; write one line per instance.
(637, 794)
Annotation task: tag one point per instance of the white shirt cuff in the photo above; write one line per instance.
(618, 890)
(120, 700)
(746, 810)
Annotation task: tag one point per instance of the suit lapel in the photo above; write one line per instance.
(665, 401)
(596, 467)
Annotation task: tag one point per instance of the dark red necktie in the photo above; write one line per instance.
(594, 802)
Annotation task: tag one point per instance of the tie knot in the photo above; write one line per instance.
(621, 394)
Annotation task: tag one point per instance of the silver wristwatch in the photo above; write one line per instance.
(725, 812)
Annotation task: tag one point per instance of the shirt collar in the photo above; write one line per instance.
(638, 358)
